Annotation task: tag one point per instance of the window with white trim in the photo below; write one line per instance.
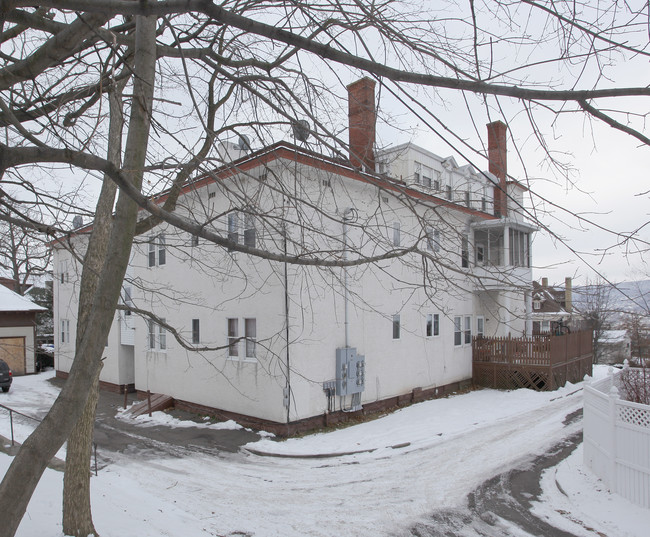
(65, 331)
(249, 230)
(480, 326)
(417, 174)
(468, 329)
(241, 229)
(396, 326)
(464, 252)
(196, 331)
(157, 336)
(436, 180)
(433, 324)
(63, 271)
(250, 333)
(233, 337)
(458, 331)
(157, 250)
(427, 174)
(396, 234)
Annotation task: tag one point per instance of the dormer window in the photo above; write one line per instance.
(537, 304)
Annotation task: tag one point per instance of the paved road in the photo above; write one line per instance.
(500, 507)
(113, 435)
(505, 497)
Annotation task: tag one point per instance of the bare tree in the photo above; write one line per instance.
(197, 71)
(24, 255)
(597, 310)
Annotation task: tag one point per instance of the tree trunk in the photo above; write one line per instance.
(77, 516)
(29, 464)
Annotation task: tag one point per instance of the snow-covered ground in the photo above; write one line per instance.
(378, 478)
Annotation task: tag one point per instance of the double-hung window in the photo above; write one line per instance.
(433, 324)
(396, 234)
(196, 332)
(250, 332)
(480, 326)
(157, 336)
(458, 331)
(233, 337)
(157, 250)
(464, 253)
(396, 326)
(468, 329)
(65, 331)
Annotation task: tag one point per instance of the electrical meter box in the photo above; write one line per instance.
(350, 371)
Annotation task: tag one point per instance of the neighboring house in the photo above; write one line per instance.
(614, 346)
(553, 309)
(18, 331)
(299, 345)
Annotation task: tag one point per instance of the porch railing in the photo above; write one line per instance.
(543, 362)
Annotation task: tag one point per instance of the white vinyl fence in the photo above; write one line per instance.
(617, 440)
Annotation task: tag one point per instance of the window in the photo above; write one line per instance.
(448, 189)
(152, 253)
(464, 253)
(250, 332)
(396, 234)
(427, 173)
(63, 271)
(519, 248)
(157, 245)
(162, 337)
(195, 240)
(436, 180)
(468, 329)
(480, 326)
(196, 334)
(483, 204)
(249, 231)
(537, 304)
(246, 222)
(65, 331)
(233, 337)
(480, 254)
(128, 300)
(433, 324)
(468, 198)
(233, 227)
(418, 173)
(458, 334)
(152, 334)
(157, 336)
(546, 326)
(396, 326)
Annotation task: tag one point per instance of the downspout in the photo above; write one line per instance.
(286, 324)
(347, 216)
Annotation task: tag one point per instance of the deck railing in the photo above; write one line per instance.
(542, 362)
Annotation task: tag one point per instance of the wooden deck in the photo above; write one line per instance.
(544, 362)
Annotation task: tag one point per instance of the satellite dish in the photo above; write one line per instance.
(244, 143)
(301, 130)
(77, 222)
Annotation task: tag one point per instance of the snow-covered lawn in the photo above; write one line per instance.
(403, 467)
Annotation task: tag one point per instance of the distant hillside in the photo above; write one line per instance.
(633, 297)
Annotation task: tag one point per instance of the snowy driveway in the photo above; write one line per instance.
(416, 462)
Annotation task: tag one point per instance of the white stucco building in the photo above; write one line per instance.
(283, 344)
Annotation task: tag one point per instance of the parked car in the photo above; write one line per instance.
(5, 376)
(44, 357)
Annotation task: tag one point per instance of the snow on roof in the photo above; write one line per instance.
(10, 301)
(613, 336)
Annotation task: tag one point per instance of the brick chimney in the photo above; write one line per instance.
(568, 294)
(498, 165)
(362, 119)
